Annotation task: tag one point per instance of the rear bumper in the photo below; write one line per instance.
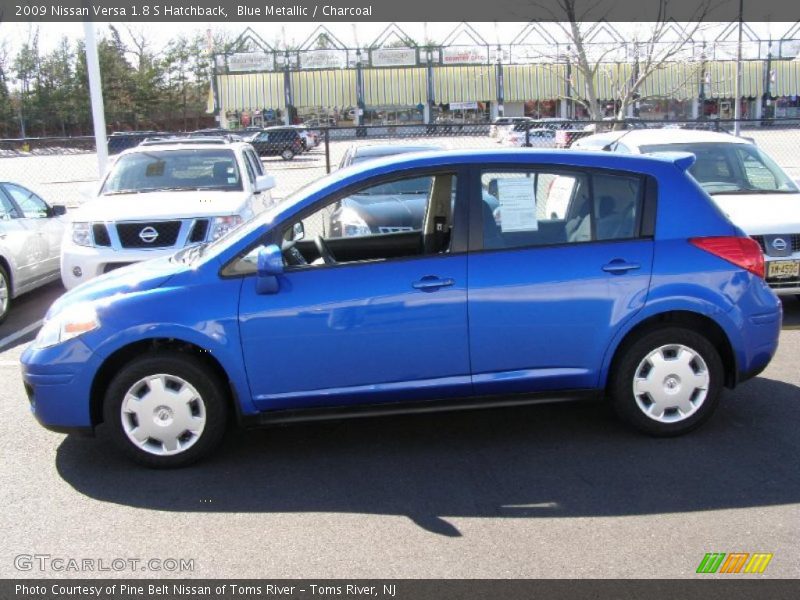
(760, 318)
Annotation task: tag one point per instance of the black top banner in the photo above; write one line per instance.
(221, 11)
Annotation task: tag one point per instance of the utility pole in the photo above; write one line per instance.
(96, 95)
(737, 107)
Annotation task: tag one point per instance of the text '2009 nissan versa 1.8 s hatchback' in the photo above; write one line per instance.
(636, 288)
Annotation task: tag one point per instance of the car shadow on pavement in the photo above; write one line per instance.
(564, 460)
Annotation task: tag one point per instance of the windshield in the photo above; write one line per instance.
(724, 168)
(179, 170)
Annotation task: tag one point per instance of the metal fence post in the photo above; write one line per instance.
(327, 150)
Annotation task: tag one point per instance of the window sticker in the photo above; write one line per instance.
(517, 199)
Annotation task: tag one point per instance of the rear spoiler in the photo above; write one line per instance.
(682, 160)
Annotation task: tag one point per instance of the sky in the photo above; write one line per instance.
(50, 33)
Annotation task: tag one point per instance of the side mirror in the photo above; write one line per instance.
(264, 183)
(270, 265)
(58, 210)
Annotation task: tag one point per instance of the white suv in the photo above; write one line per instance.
(746, 184)
(161, 196)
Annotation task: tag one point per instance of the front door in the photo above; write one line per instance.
(372, 306)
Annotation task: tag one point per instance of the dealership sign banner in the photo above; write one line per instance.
(393, 57)
(349, 11)
(463, 55)
(323, 59)
(250, 61)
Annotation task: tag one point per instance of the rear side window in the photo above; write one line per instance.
(542, 208)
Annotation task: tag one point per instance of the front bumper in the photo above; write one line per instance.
(91, 262)
(785, 286)
(58, 383)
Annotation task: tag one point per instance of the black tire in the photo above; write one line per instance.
(5, 281)
(190, 369)
(621, 380)
(287, 154)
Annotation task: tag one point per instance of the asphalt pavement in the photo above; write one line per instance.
(544, 491)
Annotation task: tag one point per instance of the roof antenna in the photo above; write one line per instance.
(614, 142)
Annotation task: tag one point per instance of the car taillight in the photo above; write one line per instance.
(742, 251)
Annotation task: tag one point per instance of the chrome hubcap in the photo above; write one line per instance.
(671, 383)
(163, 414)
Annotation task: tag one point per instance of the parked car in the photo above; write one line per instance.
(746, 184)
(283, 141)
(30, 235)
(522, 136)
(501, 125)
(359, 153)
(644, 292)
(308, 137)
(159, 197)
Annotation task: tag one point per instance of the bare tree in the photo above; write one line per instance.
(654, 47)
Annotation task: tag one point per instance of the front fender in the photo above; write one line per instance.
(201, 313)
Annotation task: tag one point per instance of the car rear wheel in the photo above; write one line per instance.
(667, 382)
(287, 154)
(166, 410)
(5, 293)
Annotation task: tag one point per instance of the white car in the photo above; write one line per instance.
(747, 185)
(502, 125)
(30, 236)
(533, 138)
(159, 197)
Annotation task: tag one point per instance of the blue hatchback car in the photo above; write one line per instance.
(533, 276)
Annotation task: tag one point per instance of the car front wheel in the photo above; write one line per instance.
(287, 154)
(166, 410)
(667, 382)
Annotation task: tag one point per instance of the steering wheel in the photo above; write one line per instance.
(324, 251)
(293, 256)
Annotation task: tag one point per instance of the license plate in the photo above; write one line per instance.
(783, 269)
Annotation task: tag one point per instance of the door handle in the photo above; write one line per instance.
(619, 266)
(431, 283)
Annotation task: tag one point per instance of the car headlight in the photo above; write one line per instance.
(68, 324)
(82, 234)
(222, 225)
(352, 223)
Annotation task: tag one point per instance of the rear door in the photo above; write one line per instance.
(548, 289)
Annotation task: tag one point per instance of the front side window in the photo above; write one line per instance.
(30, 204)
(541, 207)
(403, 217)
(174, 170)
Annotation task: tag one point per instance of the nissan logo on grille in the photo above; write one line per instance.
(779, 244)
(149, 235)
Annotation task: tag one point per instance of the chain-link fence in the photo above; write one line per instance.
(57, 168)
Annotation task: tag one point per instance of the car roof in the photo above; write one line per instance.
(387, 165)
(646, 137)
(522, 156)
(186, 145)
(390, 149)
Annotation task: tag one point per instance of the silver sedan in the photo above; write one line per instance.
(30, 242)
